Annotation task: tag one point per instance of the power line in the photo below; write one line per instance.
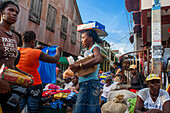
(120, 39)
(127, 43)
(127, 21)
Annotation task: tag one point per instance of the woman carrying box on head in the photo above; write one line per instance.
(88, 97)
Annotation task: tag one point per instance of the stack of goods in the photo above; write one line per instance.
(15, 77)
(55, 96)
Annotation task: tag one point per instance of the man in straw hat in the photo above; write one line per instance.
(153, 99)
(137, 78)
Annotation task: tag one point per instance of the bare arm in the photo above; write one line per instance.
(25, 73)
(49, 59)
(97, 59)
(39, 47)
(123, 76)
(4, 87)
(166, 107)
(139, 105)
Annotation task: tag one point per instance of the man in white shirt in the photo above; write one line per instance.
(153, 99)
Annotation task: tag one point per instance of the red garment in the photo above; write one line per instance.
(133, 90)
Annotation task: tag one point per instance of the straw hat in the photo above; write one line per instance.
(152, 76)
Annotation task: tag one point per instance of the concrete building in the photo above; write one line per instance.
(142, 22)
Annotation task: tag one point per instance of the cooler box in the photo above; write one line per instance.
(99, 28)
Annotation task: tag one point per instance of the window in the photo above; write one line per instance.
(51, 18)
(64, 23)
(35, 11)
(73, 35)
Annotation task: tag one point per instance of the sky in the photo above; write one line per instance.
(112, 14)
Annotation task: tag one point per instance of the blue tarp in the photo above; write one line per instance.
(47, 71)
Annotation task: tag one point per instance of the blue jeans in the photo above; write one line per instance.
(88, 97)
(32, 98)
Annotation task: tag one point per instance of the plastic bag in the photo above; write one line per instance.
(70, 60)
(68, 73)
(127, 94)
(15, 77)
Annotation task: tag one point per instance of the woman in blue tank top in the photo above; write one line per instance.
(88, 97)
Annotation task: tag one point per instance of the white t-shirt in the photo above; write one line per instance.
(106, 90)
(67, 85)
(148, 102)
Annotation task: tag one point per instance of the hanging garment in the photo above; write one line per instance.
(47, 71)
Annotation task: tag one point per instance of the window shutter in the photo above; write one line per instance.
(35, 11)
(64, 24)
(51, 18)
(73, 35)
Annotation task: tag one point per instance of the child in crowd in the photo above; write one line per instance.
(106, 89)
(68, 83)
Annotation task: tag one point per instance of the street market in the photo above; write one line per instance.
(52, 61)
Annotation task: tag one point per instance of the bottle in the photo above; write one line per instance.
(87, 53)
(80, 58)
(70, 60)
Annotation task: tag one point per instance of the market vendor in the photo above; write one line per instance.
(136, 79)
(120, 77)
(106, 89)
(153, 99)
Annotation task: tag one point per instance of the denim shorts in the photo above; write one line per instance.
(88, 97)
(32, 98)
(104, 99)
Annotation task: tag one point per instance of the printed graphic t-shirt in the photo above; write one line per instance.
(149, 103)
(8, 48)
(29, 62)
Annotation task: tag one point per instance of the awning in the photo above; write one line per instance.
(137, 28)
(131, 39)
(132, 5)
(63, 60)
(137, 17)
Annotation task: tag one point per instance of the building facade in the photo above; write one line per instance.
(141, 10)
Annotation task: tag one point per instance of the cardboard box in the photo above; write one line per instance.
(87, 71)
(99, 28)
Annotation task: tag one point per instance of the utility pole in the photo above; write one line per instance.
(156, 37)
